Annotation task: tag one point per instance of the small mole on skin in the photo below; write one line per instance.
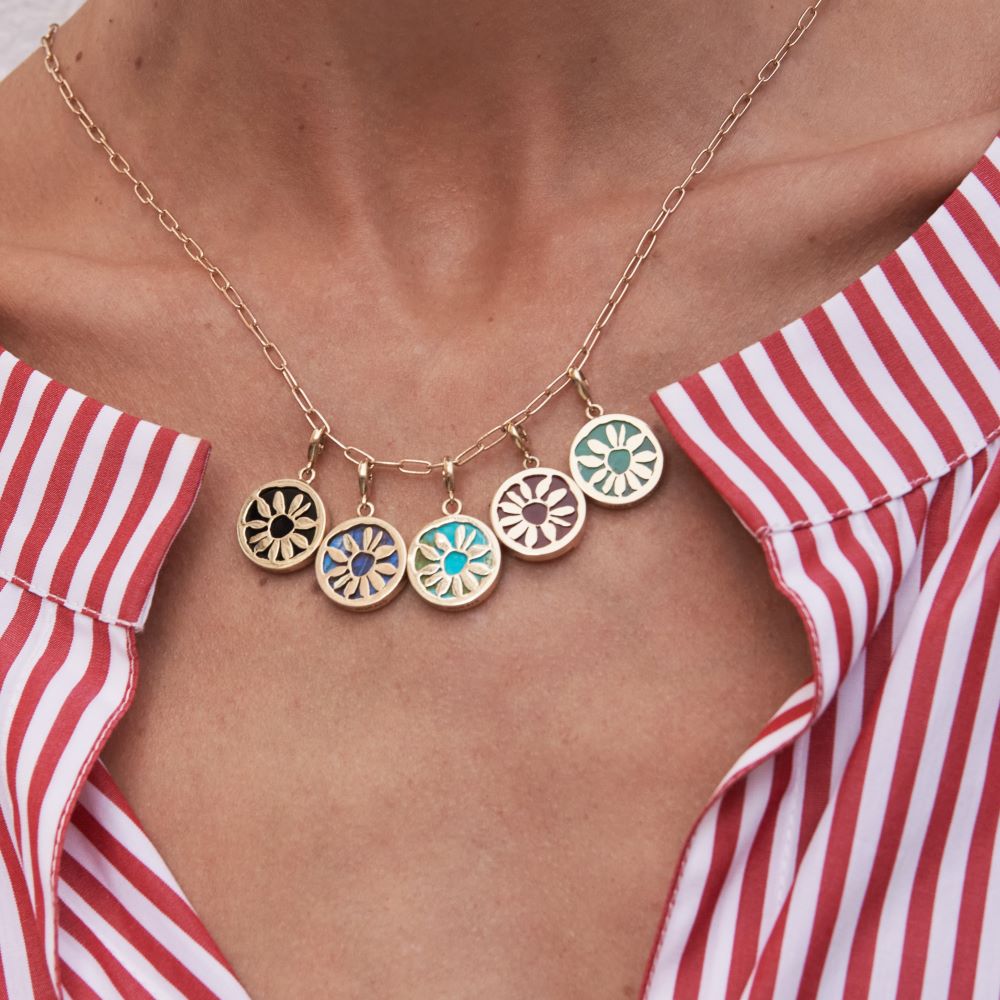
(593, 59)
(79, 56)
(329, 62)
(489, 319)
(302, 126)
(138, 62)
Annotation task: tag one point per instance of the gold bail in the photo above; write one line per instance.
(366, 473)
(316, 441)
(583, 388)
(452, 505)
(520, 438)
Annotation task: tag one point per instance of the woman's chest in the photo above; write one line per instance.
(496, 799)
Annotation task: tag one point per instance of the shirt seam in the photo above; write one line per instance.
(767, 530)
(64, 602)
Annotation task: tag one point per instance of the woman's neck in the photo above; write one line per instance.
(461, 93)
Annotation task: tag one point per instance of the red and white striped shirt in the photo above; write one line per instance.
(852, 850)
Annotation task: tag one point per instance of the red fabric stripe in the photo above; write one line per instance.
(755, 879)
(77, 701)
(727, 828)
(713, 414)
(767, 965)
(783, 719)
(837, 356)
(903, 373)
(13, 489)
(820, 418)
(144, 879)
(55, 490)
(47, 663)
(76, 988)
(741, 503)
(925, 677)
(13, 390)
(971, 223)
(989, 176)
(969, 945)
(121, 978)
(38, 970)
(145, 572)
(943, 347)
(114, 912)
(846, 804)
(152, 472)
(780, 435)
(97, 499)
(918, 923)
(960, 290)
(937, 526)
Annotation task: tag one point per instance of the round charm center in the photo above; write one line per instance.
(455, 562)
(538, 513)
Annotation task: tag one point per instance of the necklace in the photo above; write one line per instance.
(538, 513)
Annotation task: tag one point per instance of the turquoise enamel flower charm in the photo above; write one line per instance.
(616, 459)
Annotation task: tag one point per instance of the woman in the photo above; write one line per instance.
(685, 760)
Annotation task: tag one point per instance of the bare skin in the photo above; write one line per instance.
(425, 206)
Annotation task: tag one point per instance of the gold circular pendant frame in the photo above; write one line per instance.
(281, 525)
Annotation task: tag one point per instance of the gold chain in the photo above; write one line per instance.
(492, 437)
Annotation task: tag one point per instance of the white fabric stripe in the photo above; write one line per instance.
(962, 336)
(954, 859)
(177, 464)
(983, 203)
(802, 908)
(86, 966)
(78, 745)
(41, 725)
(825, 384)
(787, 831)
(786, 408)
(77, 491)
(131, 959)
(722, 927)
(689, 889)
(892, 924)
(118, 502)
(16, 971)
(121, 826)
(932, 375)
(968, 261)
(694, 424)
(883, 386)
(202, 965)
(762, 445)
(42, 467)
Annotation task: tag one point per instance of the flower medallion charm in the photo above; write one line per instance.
(616, 459)
(454, 562)
(281, 524)
(538, 513)
(361, 563)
